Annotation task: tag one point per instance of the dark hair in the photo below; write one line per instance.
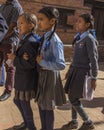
(9, 1)
(50, 13)
(31, 18)
(88, 18)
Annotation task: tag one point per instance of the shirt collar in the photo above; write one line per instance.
(24, 36)
(47, 34)
(83, 34)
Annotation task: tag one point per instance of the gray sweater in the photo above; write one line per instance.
(86, 54)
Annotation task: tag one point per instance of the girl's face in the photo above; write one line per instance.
(81, 25)
(24, 26)
(44, 23)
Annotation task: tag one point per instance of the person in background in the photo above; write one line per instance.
(3, 31)
(85, 62)
(10, 10)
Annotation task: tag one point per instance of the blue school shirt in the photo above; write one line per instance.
(53, 55)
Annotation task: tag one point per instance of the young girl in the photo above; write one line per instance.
(26, 72)
(51, 61)
(85, 62)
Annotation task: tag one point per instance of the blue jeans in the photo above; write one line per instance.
(2, 80)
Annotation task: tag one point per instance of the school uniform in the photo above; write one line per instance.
(50, 90)
(85, 62)
(26, 78)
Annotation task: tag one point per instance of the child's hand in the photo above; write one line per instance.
(25, 56)
(39, 58)
(93, 84)
(11, 56)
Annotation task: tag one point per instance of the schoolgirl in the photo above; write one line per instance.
(85, 62)
(51, 60)
(26, 75)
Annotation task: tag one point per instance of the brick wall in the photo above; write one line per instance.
(66, 34)
(77, 5)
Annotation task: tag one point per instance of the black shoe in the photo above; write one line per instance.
(71, 125)
(5, 96)
(1, 84)
(22, 126)
(87, 126)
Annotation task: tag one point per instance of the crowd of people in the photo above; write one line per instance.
(33, 64)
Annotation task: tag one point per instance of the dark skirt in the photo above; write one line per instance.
(75, 82)
(50, 90)
(24, 95)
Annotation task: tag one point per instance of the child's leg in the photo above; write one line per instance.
(18, 104)
(28, 114)
(49, 119)
(88, 124)
(43, 118)
(74, 123)
(74, 114)
(79, 108)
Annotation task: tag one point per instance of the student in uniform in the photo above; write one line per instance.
(85, 62)
(26, 75)
(50, 60)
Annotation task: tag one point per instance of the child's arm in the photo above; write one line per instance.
(93, 56)
(59, 63)
(20, 62)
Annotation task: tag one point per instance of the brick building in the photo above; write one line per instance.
(69, 11)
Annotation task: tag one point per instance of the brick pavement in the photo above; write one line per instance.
(10, 116)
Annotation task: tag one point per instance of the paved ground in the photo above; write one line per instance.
(10, 116)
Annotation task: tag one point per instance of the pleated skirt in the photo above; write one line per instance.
(50, 91)
(75, 82)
